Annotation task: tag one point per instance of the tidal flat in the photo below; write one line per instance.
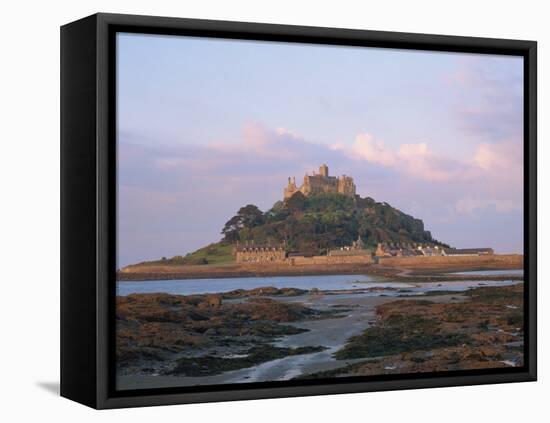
(269, 333)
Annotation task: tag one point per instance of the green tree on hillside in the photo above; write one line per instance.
(248, 217)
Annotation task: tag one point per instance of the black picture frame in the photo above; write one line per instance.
(88, 194)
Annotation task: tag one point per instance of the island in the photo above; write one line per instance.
(320, 227)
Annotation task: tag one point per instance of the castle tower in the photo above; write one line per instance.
(323, 170)
(290, 188)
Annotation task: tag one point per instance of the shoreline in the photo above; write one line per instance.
(399, 273)
(330, 344)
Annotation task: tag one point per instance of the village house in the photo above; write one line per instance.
(404, 249)
(259, 253)
(249, 252)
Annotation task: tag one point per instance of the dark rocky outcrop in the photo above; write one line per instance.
(409, 336)
(154, 330)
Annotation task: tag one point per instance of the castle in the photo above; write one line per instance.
(321, 183)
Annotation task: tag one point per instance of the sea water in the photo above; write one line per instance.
(321, 282)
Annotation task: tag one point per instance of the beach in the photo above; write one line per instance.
(281, 333)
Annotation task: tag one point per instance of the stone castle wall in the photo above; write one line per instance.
(346, 186)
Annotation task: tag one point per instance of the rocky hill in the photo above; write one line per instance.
(312, 224)
(320, 222)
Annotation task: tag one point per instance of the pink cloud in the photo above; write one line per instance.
(190, 186)
(368, 148)
(497, 171)
(470, 204)
(260, 141)
(415, 160)
(506, 155)
(491, 178)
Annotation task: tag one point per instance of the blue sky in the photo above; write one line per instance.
(206, 126)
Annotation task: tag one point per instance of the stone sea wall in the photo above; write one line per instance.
(501, 260)
(358, 259)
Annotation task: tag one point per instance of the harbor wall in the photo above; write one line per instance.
(358, 259)
(499, 260)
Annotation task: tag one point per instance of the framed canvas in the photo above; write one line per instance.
(256, 211)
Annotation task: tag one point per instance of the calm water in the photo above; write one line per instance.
(203, 286)
(322, 282)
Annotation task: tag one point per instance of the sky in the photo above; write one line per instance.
(205, 126)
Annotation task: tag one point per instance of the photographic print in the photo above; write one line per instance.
(291, 211)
